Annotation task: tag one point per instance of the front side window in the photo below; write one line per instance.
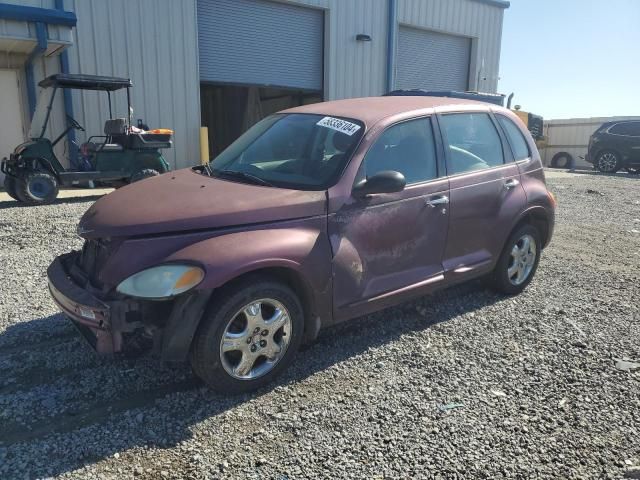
(406, 147)
(301, 151)
(630, 129)
(517, 141)
(473, 142)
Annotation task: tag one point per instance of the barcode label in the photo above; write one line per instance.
(339, 125)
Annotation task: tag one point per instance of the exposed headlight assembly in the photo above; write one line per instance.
(163, 281)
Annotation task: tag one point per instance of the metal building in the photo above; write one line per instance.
(225, 64)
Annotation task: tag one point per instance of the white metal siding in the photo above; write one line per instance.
(432, 60)
(258, 42)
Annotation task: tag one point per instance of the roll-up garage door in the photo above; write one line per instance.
(431, 60)
(258, 42)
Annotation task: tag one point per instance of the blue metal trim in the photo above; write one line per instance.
(39, 49)
(392, 35)
(66, 97)
(35, 14)
(495, 3)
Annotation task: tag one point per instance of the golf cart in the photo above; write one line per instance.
(124, 154)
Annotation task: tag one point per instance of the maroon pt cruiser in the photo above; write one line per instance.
(316, 215)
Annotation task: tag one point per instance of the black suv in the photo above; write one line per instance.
(616, 145)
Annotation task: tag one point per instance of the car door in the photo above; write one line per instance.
(485, 192)
(389, 246)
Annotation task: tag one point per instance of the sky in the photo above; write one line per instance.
(572, 58)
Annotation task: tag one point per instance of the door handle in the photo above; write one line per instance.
(512, 183)
(433, 202)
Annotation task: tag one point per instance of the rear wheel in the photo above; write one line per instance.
(518, 262)
(608, 161)
(142, 174)
(563, 160)
(248, 337)
(10, 187)
(37, 188)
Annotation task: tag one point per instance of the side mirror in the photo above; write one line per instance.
(382, 182)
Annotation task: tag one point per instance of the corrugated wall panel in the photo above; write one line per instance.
(354, 68)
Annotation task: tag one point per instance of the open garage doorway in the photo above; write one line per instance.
(228, 110)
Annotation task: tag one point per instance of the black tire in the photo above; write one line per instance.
(500, 279)
(142, 174)
(563, 160)
(10, 187)
(633, 170)
(608, 161)
(37, 188)
(206, 350)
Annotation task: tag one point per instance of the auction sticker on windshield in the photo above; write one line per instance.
(339, 125)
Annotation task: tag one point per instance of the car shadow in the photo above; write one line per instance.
(74, 397)
(58, 201)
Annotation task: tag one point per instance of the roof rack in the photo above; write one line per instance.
(494, 98)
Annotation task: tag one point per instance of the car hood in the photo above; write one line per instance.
(187, 200)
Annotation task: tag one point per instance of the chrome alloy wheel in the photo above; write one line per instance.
(523, 258)
(255, 339)
(607, 162)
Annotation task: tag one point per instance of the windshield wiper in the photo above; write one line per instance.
(242, 175)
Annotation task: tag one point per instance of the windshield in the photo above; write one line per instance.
(301, 151)
(40, 115)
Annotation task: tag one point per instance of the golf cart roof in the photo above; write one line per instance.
(85, 82)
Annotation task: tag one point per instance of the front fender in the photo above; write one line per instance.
(226, 257)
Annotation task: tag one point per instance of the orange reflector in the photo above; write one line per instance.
(189, 278)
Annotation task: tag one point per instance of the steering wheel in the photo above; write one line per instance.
(73, 123)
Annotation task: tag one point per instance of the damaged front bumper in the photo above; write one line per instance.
(101, 322)
(113, 325)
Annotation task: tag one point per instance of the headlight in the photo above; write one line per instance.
(162, 281)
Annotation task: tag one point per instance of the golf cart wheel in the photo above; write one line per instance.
(608, 161)
(10, 187)
(633, 170)
(37, 188)
(248, 336)
(142, 174)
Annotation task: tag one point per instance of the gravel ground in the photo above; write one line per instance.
(462, 384)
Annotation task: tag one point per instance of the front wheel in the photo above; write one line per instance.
(248, 336)
(608, 161)
(10, 187)
(518, 262)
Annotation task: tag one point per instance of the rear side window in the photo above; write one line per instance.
(406, 147)
(517, 141)
(631, 129)
(473, 142)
